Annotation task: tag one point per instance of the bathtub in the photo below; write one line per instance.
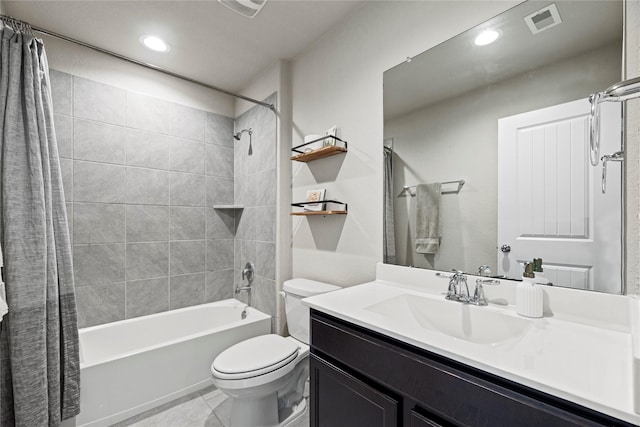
(134, 365)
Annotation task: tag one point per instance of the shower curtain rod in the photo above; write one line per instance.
(135, 61)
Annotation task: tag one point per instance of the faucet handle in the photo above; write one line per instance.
(479, 297)
(484, 270)
(248, 272)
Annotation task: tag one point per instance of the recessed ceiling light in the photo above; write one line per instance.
(155, 43)
(486, 37)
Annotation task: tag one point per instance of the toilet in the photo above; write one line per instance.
(266, 375)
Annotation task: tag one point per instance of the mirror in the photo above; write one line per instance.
(503, 128)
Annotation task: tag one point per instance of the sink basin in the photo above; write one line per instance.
(467, 322)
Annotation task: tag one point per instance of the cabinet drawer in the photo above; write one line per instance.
(452, 391)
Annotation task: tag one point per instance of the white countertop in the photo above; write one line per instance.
(583, 363)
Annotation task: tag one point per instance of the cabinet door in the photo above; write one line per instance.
(418, 420)
(341, 400)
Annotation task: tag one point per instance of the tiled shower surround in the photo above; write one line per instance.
(255, 189)
(141, 176)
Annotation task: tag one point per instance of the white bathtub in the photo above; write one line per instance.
(134, 365)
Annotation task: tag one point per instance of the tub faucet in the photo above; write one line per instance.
(247, 273)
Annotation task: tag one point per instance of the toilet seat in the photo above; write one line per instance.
(254, 357)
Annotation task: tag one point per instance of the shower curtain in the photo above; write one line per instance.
(389, 255)
(39, 357)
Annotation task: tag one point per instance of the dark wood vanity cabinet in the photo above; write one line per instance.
(360, 378)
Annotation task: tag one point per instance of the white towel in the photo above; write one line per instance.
(4, 309)
(428, 218)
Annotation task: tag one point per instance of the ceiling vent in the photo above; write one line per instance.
(543, 19)
(248, 8)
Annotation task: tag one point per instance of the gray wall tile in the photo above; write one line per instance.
(147, 149)
(69, 207)
(237, 255)
(187, 122)
(219, 161)
(266, 260)
(187, 156)
(147, 297)
(187, 223)
(99, 223)
(134, 171)
(187, 189)
(220, 223)
(98, 182)
(61, 92)
(266, 188)
(220, 254)
(147, 260)
(247, 253)
(147, 223)
(98, 101)
(219, 130)
(66, 168)
(64, 135)
(147, 186)
(96, 264)
(264, 295)
(98, 142)
(219, 190)
(187, 257)
(218, 285)
(100, 304)
(238, 195)
(265, 220)
(187, 290)
(148, 113)
(246, 224)
(250, 187)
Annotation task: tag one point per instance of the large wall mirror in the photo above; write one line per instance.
(494, 139)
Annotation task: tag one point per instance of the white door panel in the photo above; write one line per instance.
(549, 195)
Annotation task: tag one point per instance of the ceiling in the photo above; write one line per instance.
(209, 42)
(458, 66)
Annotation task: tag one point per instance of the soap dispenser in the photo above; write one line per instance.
(528, 294)
(539, 272)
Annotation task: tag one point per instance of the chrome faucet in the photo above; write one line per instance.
(458, 288)
(247, 273)
(478, 295)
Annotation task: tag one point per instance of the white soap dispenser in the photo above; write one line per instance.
(528, 294)
(539, 272)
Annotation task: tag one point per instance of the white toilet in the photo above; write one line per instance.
(265, 376)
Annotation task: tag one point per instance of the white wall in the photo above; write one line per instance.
(632, 155)
(84, 62)
(458, 139)
(339, 82)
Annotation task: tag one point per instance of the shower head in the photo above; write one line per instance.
(238, 135)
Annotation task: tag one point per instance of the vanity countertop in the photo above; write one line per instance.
(589, 364)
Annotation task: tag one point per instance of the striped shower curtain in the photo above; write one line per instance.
(39, 357)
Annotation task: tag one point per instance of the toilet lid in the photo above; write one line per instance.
(256, 356)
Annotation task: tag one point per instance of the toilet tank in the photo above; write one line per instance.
(297, 314)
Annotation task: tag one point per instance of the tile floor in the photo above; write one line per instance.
(206, 408)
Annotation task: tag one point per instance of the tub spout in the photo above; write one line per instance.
(246, 289)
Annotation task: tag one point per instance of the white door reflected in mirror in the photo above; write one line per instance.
(550, 200)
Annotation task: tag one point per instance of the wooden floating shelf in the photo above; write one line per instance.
(319, 153)
(307, 213)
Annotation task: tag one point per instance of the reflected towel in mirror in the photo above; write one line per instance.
(428, 218)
